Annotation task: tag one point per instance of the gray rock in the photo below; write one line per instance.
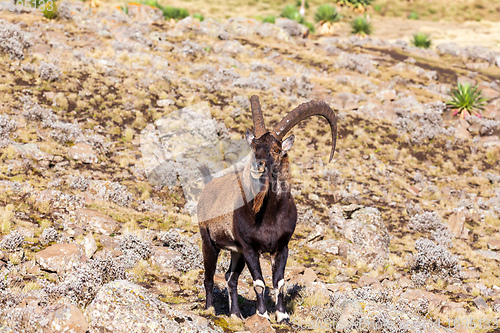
(480, 303)
(369, 236)
(292, 27)
(122, 306)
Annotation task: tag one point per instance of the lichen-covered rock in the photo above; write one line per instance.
(96, 221)
(59, 257)
(63, 318)
(83, 152)
(122, 306)
(369, 235)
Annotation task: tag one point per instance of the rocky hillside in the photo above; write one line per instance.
(399, 233)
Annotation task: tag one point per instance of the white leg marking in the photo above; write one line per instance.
(280, 316)
(259, 283)
(265, 315)
(280, 289)
(281, 285)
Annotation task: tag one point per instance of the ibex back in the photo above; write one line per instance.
(252, 211)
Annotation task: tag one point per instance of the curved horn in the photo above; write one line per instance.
(303, 111)
(258, 119)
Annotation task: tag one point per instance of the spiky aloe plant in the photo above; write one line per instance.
(327, 13)
(361, 26)
(421, 40)
(466, 99)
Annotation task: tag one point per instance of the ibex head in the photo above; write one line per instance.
(268, 147)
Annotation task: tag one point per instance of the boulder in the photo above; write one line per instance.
(122, 306)
(59, 257)
(369, 236)
(165, 258)
(83, 152)
(96, 221)
(292, 27)
(61, 318)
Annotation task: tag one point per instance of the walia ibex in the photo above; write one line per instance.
(251, 211)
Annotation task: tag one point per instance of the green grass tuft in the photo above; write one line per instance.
(50, 10)
(269, 19)
(413, 15)
(327, 13)
(421, 40)
(466, 99)
(198, 16)
(291, 12)
(361, 26)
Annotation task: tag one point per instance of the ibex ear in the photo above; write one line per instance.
(249, 136)
(288, 143)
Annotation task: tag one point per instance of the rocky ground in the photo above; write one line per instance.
(399, 233)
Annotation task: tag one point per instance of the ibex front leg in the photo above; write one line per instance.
(279, 284)
(252, 261)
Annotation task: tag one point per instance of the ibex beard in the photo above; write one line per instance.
(251, 211)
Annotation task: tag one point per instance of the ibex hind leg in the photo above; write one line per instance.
(232, 275)
(210, 254)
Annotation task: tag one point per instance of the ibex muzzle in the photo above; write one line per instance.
(252, 211)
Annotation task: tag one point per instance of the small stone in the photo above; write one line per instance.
(489, 254)
(481, 303)
(325, 245)
(494, 244)
(258, 324)
(309, 275)
(89, 245)
(456, 223)
(83, 152)
(165, 102)
(365, 281)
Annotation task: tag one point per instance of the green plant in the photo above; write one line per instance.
(359, 5)
(467, 99)
(298, 3)
(327, 13)
(124, 8)
(198, 16)
(413, 15)
(361, 26)
(269, 19)
(310, 26)
(421, 40)
(50, 10)
(291, 12)
(168, 11)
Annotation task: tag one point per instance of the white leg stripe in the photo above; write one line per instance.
(281, 285)
(259, 283)
(265, 315)
(280, 316)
